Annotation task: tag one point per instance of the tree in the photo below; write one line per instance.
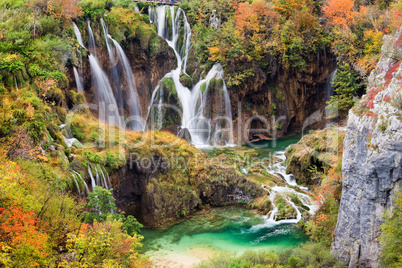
(347, 85)
(340, 12)
(19, 232)
(391, 239)
(105, 244)
(100, 205)
(66, 9)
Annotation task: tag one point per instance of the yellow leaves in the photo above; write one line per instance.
(215, 53)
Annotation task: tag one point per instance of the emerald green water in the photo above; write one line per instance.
(227, 229)
(223, 229)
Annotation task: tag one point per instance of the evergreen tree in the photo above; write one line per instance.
(348, 85)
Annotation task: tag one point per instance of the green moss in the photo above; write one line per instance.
(186, 80)
(203, 87)
(155, 46)
(169, 86)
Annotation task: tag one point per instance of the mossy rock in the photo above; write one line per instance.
(155, 46)
(186, 81)
(169, 86)
(203, 87)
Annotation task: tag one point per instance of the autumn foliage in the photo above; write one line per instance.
(66, 9)
(340, 12)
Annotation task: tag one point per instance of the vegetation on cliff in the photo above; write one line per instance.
(43, 218)
(391, 238)
(256, 35)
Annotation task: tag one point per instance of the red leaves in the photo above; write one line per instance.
(386, 99)
(371, 96)
(391, 70)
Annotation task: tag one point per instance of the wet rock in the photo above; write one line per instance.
(184, 133)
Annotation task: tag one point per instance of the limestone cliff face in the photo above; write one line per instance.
(372, 161)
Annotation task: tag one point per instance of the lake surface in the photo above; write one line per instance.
(227, 230)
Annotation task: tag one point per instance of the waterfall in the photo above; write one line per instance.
(92, 44)
(108, 178)
(329, 89)
(76, 184)
(97, 182)
(104, 92)
(80, 87)
(78, 35)
(173, 26)
(113, 69)
(104, 180)
(279, 170)
(132, 89)
(85, 184)
(92, 177)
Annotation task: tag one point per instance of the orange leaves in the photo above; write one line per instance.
(19, 231)
(246, 19)
(340, 12)
(67, 9)
(253, 18)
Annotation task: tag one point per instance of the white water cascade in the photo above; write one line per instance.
(329, 88)
(113, 69)
(279, 170)
(80, 87)
(104, 92)
(134, 106)
(173, 26)
(91, 39)
(78, 35)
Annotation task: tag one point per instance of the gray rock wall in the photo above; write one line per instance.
(372, 162)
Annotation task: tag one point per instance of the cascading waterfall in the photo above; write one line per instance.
(76, 184)
(104, 92)
(329, 88)
(85, 184)
(80, 87)
(93, 183)
(279, 170)
(173, 26)
(91, 40)
(132, 89)
(78, 35)
(113, 69)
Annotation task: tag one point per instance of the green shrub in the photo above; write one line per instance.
(391, 238)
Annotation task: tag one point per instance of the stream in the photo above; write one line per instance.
(230, 230)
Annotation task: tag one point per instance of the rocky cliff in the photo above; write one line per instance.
(287, 94)
(169, 179)
(372, 161)
(149, 56)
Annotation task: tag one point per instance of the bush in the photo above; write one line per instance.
(391, 238)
